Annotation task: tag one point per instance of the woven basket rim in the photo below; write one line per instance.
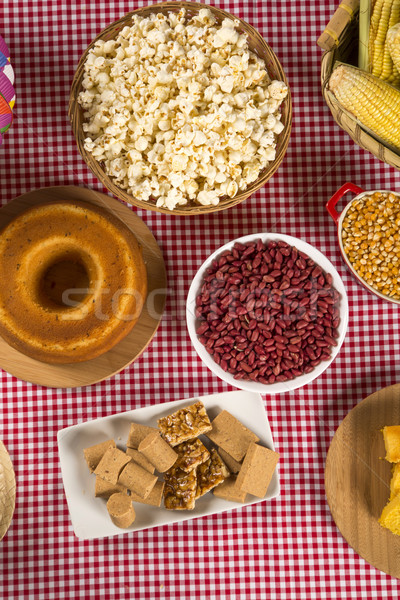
(75, 113)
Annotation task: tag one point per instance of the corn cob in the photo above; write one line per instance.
(393, 43)
(375, 103)
(385, 14)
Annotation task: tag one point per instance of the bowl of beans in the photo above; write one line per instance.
(267, 313)
(369, 238)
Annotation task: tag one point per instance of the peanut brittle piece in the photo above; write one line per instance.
(210, 474)
(191, 454)
(179, 489)
(185, 424)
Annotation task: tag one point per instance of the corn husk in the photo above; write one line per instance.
(363, 37)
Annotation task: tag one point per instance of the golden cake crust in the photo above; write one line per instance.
(69, 233)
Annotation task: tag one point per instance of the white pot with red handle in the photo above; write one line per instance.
(338, 218)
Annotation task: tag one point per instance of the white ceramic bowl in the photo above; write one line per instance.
(253, 386)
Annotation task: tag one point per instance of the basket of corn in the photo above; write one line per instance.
(360, 74)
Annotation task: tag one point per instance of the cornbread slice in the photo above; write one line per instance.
(104, 489)
(233, 465)
(94, 454)
(180, 489)
(137, 479)
(229, 433)
(158, 452)
(185, 424)
(390, 517)
(140, 459)
(210, 474)
(137, 433)
(391, 437)
(228, 490)
(154, 498)
(121, 511)
(258, 467)
(111, 464)
(395, 481)
(191, 454)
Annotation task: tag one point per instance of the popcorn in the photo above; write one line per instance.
(277, 90)
(180, 110)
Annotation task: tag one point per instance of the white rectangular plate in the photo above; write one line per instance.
(89, 515)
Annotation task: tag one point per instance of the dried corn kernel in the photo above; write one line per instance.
(371, 224)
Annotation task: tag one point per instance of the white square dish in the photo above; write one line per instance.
(89, 516)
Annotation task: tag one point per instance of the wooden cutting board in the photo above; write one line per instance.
(357, 479)
(126, 351)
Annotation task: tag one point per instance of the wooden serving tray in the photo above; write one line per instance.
(126, 351)
(357, 479)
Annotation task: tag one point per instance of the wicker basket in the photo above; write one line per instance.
(256, 44)
(340, 42)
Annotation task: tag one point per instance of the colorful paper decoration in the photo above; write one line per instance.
(7, 92)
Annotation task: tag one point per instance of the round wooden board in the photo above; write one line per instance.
(7, 490)
(357, 479)
(126, 351)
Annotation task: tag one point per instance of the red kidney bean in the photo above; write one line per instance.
(330, 340)
(293, 348)
(202, 328)
(267, 312)
(246, 367)
(241, 346)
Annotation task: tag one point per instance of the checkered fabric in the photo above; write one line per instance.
(288, 548)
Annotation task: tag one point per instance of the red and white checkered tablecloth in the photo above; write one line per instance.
(288, 548)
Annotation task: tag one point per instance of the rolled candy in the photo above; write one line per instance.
(120, 509)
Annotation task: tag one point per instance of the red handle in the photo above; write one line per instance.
(346, 187)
